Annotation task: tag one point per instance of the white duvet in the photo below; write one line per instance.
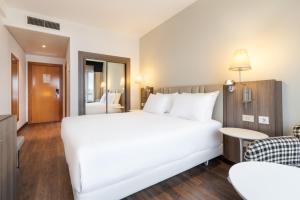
(102, 150)
(100, 108)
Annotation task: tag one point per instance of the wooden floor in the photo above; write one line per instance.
(43, 174)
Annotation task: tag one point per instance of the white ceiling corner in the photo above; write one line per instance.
(32, 41)
(2, 8)
(134, 17)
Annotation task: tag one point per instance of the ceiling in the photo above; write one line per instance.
(134, 17)
(32, 42)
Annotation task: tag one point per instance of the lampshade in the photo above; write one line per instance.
(240, 61)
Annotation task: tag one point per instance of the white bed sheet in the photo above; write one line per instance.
(104, 150)
(100, 108)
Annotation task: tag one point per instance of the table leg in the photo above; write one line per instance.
(241, 150)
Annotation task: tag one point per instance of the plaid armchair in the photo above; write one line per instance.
(283, 150)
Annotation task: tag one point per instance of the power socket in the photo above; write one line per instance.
(248, 118)
(264, 120)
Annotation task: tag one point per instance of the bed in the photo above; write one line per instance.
(111, 162)
(100, 108)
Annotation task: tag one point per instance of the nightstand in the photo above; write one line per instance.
(243, 135)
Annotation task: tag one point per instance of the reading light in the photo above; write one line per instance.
(240, 62)
(139, 79)
(122, 81)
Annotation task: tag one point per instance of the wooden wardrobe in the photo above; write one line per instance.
(8, 157)
(266, 100)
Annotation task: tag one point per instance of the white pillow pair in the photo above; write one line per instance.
(198, 106)
(159, 103)
(112, 98)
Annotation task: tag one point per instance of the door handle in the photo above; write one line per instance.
(57, 92)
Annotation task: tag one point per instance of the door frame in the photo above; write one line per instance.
(30, 64)
(107, 58)
(18, 71)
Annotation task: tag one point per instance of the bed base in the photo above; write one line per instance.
(148, 178)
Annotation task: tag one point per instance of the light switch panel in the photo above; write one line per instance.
(263, 120)
(248, 118)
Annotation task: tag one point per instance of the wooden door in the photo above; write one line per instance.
(45, 92)
(15, 86)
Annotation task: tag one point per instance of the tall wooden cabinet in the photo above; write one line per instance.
(8, 157)
(266, 101)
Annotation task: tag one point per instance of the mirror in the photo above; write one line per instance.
(104, 87)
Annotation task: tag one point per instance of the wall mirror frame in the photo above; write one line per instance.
(82, 57)
(15, 84)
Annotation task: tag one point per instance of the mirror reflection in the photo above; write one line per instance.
(104, 87)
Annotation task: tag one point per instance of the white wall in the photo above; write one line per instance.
(8, 46)
(84, 38)
(195, 46)
(45, 59)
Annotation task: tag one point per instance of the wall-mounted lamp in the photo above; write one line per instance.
(139, 79)
(103, 84)
(122, 81)
(240, 62)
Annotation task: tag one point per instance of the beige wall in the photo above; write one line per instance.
(195, 46)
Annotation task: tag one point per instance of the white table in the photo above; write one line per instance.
(262, 180)
(243, 134)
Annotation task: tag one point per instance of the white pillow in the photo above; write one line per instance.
(117, 98)
(196, 107)
(171, 101)
(103, 99)
(110, 98)
(157, 104)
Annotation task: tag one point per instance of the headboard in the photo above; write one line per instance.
(218, 111)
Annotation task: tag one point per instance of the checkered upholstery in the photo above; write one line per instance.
(283, 150)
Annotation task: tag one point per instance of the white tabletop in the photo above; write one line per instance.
(243, 133)
(262, 180)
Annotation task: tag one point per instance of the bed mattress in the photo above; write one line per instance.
(102, 150)
(100, 108)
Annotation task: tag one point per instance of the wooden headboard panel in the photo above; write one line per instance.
(218, 111)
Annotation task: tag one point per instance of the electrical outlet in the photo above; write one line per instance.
(263, 120)
(248, 118)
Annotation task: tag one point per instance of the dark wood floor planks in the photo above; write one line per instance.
(44, 175)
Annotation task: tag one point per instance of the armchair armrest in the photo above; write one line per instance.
(296, 131)
(283, 150)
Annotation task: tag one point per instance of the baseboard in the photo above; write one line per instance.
(22, 127)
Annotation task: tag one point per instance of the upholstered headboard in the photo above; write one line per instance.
(218, 111)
